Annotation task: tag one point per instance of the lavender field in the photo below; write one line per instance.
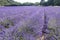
(29, 23)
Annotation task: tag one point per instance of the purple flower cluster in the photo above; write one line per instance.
(29, 23)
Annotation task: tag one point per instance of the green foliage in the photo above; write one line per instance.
(4, 2)
(27, 4)
(6, 23)
(14, 3)
(42, 3)
(21, 37)
(8, 3)
(37, 3)
(57, 2)
(50, 3)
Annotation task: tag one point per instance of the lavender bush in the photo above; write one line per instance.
(29, 23)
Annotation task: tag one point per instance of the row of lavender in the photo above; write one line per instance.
(53, 18)
(27, 23)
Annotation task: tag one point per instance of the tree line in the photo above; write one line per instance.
(41, 3)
